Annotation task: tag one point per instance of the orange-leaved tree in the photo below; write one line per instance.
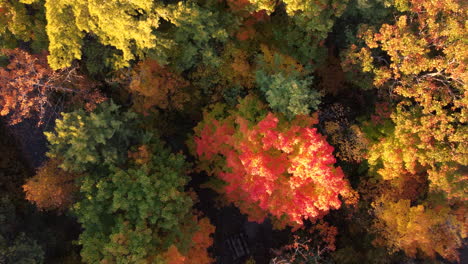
(197, 253)
(27, 83)
(269, 165)
(51, 187)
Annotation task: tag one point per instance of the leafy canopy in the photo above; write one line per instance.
(133, 207)
(268, 165)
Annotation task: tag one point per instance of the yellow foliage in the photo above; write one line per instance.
(429, 145)
(115, 23)
(419, 228)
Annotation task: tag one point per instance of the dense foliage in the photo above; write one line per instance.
(133, 206)
(269, 165)
(342, 124)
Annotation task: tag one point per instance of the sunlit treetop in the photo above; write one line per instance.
(427, 229)
(422, 56)
(125, 25)
(433, 146)
(270, 166)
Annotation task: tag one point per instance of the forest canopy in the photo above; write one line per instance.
(234, 131)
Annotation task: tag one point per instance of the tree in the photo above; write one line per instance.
(416, 164)
(133, 206)
(286, 86)
(51, 187)
(308, 246)
(201, 240)
(431, 146)
(27, 85)
(348, 139)
(101, 138)
(156, 86)
(127, 25)
(200, 30)
(133, 29)
(268, 165)
(418, 57)
(133, 214)
(316, 17)
(429, 229)
(419, 150)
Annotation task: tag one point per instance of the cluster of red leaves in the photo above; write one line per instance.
(51, 187)
(27, 82)
(275, 167)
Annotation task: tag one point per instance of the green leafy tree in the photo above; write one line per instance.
(288, 94)
(199, 32)
(133, 207)
(85, 141)
(134, 214)
(286, 86)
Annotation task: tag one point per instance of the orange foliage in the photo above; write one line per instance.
(274, 167)
(173, 256)
(27, 82)
(51, 187)
(197, 254)
(155, 86)
(327, 233)
(201, 242)
(310, 245)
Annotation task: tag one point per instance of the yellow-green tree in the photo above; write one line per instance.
(126, 25)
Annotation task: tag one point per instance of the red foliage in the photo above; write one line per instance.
(273, 167)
